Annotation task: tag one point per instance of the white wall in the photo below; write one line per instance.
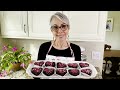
(113, 38)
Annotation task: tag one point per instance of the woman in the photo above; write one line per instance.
(59, 48)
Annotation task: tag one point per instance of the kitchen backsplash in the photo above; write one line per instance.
(32, 46)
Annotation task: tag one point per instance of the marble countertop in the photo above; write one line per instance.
(21, 74)
(99, 74)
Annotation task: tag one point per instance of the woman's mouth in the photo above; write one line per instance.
(59, 35)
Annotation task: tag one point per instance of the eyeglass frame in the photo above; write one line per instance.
(63, 29)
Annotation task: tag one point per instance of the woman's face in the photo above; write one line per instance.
(59, 29)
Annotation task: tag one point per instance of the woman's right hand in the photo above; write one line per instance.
(32, 61)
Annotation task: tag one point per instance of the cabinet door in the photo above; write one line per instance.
(87, 25)
(14, 24)
(39, 24)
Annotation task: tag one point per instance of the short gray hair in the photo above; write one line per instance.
(61, 17)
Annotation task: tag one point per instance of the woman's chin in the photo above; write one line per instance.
(60, 37)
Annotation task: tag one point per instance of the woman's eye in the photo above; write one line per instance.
(55, 27)
(63, 26)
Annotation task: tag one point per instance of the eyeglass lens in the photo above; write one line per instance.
(63, 27)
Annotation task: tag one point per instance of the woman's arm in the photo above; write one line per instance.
(77, 52)
(43, 51)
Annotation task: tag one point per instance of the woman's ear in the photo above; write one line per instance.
(68, 27)
(68, 30)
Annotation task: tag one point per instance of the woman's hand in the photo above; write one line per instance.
(32, 61)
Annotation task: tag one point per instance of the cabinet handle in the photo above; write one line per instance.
(24, 28)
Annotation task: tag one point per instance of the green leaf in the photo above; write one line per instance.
(9, 67)
(9, 46)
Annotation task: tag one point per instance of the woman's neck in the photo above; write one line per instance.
(60, 44)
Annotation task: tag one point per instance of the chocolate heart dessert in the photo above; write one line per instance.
(48, 63)
(36, 71)
(74, 72)
(61, 65)
(61, 72)
(48, 71)
(87, 71)
(83, 65)
(73, 65)
(39, 63)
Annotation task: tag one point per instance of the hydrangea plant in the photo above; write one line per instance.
(12, 55)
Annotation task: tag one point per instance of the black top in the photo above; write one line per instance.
(65, 53)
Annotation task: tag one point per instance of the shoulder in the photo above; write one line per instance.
(45, 44)
(74, 46)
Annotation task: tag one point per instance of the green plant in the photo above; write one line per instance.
(12, 55)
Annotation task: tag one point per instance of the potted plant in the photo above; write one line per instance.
(13, 59)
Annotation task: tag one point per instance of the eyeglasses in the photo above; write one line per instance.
(63, 27)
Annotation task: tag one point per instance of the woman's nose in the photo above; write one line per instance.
(59, 30)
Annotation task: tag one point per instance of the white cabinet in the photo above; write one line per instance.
(14, 24)
(87, 25)
(84, 25)
(39, 24)
(26, 24)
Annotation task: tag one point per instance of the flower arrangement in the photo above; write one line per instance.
(12, 56)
